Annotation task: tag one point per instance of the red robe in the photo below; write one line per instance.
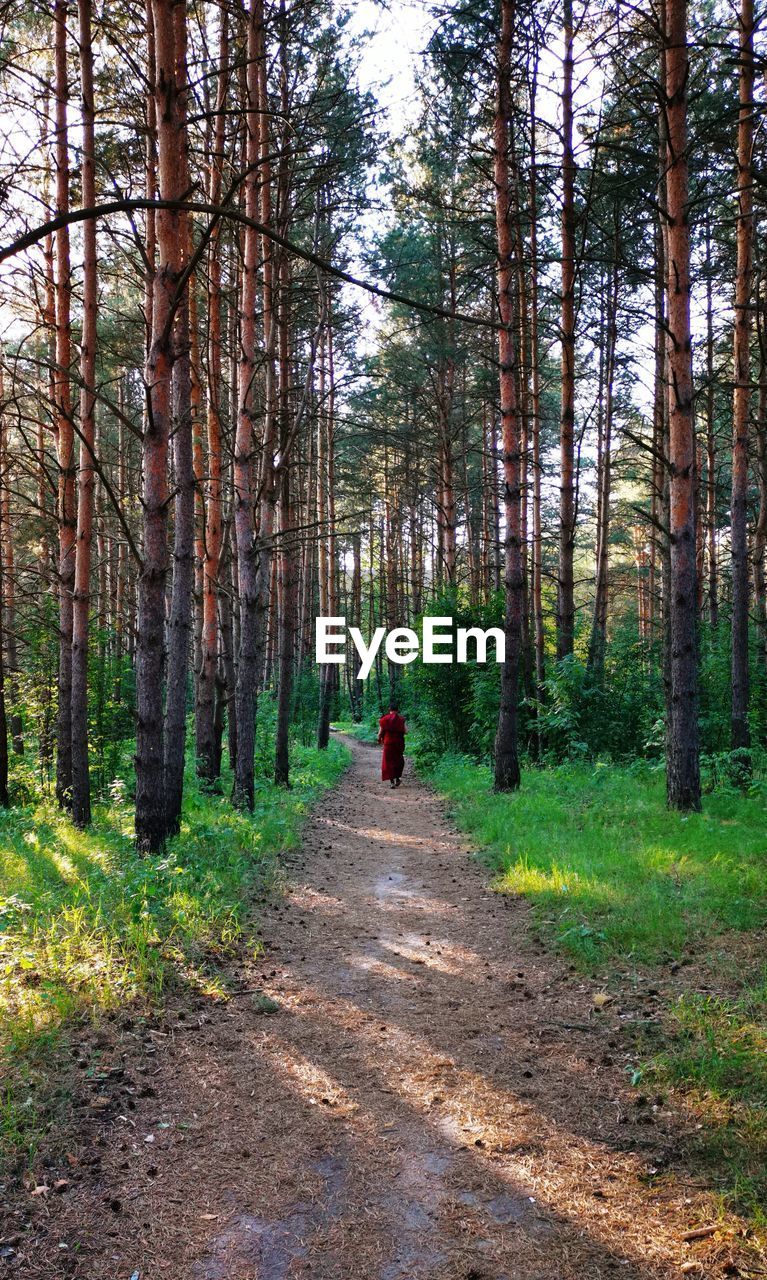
(392, 736)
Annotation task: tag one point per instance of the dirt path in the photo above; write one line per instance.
(432, 1100)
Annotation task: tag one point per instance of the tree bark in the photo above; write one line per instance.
(507, 772)
(288, 558)
(537, 549)
(182, 587)
(64, 416)
(268, 479)
(713, 586)
(566, 585)
(207, 749)
(355, 687)
(86, 477)
(682, 765)
(760, 529)
(248, 673)
(288, 562)
(739, 731)
(599, 624)
(151, 824)
(4, 797)
(8, 602)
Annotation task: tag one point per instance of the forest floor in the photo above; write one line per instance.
(405, 1084)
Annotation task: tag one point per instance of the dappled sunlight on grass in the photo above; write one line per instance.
(615, 876)
(597, 848)
(556, 880)
(86, 924)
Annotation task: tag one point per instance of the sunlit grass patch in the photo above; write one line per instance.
(616, 879)
(87, 925)
(597, 847)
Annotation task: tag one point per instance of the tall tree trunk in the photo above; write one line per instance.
(496, 505)
(599, 624)
(197, 393)
(537, 550)
(182, 588)
(472, 550)
(327, 522)
(288, 562)
(523, 399)
(121, 586)
(45, 735)
(485, 544)
(268, 479)
(446, 491)
(86, 479)
(288, 557)
(713, 586)
(658, 537)
(64, 416)
(389, 566)
(8, 604)
(207, 750)
(305, 514)
(248, 673)
(507, 774)
(150, 178)
(355, 685)
(739, 733)
(226, 613)
(4, 797)
(682, 765)
(151, 826)
(566, 585)
(323, 542)
(760, 529)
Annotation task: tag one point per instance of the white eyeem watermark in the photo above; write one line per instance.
(442, 643)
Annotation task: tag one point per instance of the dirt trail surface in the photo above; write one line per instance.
(433, 1098)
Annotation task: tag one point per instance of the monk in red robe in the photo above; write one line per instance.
(391, 735)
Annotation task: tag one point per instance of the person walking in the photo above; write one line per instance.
(391, 735)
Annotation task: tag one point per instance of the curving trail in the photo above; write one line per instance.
(433, 1098)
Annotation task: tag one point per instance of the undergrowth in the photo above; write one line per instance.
(617, 879)
(87, 925)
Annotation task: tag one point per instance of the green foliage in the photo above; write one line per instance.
(612, 712)
(306, 704)
(595, 848)
(718, 1054)
(608, 713)
(88, 925)
(617, 879)
(453, 708)
(735, 770)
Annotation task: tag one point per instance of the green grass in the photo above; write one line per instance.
(364, 731)
(610, 869)
(617, 881)
(88, 926)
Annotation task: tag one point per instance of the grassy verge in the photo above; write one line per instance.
(87, 926)
(363, 731)
(617, 882)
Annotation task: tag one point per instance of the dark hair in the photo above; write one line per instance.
(393, 706)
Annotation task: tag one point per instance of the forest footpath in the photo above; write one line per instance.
(404, 1084)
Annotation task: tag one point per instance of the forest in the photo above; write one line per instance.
(386, 312)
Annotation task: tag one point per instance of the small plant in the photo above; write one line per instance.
(264, 1004)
